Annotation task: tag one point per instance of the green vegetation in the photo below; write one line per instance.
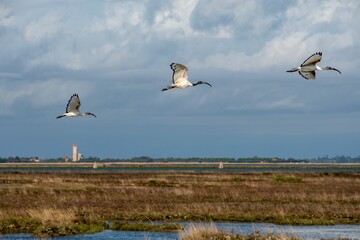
(55, 231)
(69, 202)
(19, 224)
(289, 178)
(166, 227)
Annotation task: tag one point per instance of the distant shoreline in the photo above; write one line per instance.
(178, 164)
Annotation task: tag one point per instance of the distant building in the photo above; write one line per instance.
(35, 159)
(75, 153)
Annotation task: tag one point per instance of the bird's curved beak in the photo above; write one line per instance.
(331, 68)
(89, 113)
(207, 83)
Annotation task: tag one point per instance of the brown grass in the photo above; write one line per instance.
(213, 233)
(61, 198)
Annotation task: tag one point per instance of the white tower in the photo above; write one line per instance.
(75, 153)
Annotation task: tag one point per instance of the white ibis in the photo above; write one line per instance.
(180, 77)
(73, 108)
(308, 67)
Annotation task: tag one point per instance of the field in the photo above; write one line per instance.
(69, 202)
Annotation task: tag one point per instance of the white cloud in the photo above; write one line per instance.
(245, 18)
(61, 58)
(168, 20)
(45, 27)
(39, 95)
(282, 104)
(308, 27)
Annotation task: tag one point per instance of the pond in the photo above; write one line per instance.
(304, 232)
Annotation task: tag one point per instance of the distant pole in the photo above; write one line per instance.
(75, 153)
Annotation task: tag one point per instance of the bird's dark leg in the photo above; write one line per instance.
(293, 70)
(167, 88)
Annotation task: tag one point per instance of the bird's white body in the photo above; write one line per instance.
(309, 66)
(73, 108)
(182, 82)
(180, 77)
(72, 114)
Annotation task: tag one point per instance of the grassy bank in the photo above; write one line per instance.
(62, 203)
(213, 233)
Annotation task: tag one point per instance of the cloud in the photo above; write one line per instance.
(242, 18)
(57, 57)
(6, 16)
(43, 28)
(38, 95)
(308, 27)
(287, 103)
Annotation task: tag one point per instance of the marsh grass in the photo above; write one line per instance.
(64, 201)
(149, 227)
(288, 179)
(213, 233)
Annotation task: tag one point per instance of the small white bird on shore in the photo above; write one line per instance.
(309, 66)
(180, 77)
(73, 108)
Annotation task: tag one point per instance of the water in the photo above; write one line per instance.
(188, 168)
(304, 232)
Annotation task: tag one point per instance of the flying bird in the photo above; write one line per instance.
(73, 108)
(308, 67)
(180, 77)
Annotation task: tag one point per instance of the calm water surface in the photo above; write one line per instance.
(195, 169)
(304, 232)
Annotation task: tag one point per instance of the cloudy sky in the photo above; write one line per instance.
(116, 56)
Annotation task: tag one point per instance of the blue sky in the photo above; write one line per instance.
(116, 56)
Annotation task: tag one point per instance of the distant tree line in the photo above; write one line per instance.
(254, 159)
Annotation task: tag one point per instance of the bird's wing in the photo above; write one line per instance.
(308, 75)
(179, 71)
(73, 104)
(315, 58)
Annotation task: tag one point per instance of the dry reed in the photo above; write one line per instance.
(61, 198)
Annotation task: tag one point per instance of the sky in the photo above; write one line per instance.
(116, 56)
